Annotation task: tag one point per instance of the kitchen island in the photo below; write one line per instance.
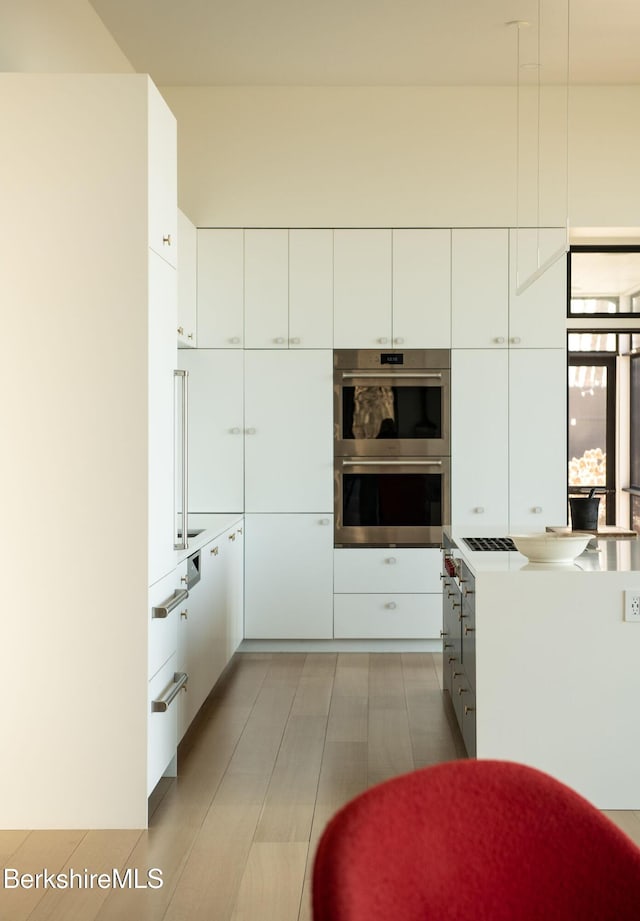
(556, 670)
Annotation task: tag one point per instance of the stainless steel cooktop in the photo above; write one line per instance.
(489, 543)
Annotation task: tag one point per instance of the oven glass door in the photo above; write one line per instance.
(392, 413)
(380, 502)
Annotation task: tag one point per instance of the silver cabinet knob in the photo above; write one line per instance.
(251, 431)
(189, 335)
(184, 615)
(383, 340)
(399, 340)
(515, 340)
(167, 240)
(235, 430)
(478, 510)
(391, 605)
(499, 340)
(295, 340)
(324, 521)
(181, 330)
(279, 340)
(537, 509)
(391, 560)
(235, 340)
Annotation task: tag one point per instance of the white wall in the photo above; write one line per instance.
(57, 36)
(391, 156)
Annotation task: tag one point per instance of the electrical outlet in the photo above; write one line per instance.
(632, 606)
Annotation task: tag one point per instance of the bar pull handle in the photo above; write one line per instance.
(163, 703)
(392, 463)
(183, 542)
(164, 609)
(429, 375)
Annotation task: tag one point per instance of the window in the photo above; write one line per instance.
(604, 281)
(592, 415)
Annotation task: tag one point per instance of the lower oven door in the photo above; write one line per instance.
(383, 502)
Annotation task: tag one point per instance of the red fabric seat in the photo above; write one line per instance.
(474, 841)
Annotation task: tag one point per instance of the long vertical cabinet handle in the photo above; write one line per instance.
(183, 543)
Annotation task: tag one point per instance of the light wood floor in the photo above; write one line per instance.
(282, 743)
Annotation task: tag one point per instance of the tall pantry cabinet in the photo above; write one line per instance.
(89, 291)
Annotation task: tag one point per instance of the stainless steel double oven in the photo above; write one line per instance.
(391, 447)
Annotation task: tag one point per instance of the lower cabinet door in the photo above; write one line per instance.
(387, 616)
(162, 737)
(289, 576)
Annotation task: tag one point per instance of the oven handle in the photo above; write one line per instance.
(393, 374)
(392, 463)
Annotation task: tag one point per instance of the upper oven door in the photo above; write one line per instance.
(391, 410)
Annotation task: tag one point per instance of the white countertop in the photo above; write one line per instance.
(606, 555)
(211, 526)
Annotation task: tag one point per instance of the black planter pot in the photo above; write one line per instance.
(584, 513)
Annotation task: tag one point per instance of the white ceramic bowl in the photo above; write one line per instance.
(552, 546)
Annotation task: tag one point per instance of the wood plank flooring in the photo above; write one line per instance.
(283, 741)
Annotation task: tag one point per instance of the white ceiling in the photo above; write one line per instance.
(373, 42)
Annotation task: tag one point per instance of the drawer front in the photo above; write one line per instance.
(163, 635)
(388, 569)
(162, 737)
(388, 616)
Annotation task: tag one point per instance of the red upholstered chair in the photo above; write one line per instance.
(474, 841)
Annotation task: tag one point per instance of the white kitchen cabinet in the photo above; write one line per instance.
(206, 645)
(387, 616)
(89, 431)
(216, 429)
(537, 438)
(288, 430)
(387, 593)
(362, 288)
(387, 569)
(479, 438)
(266, 289)
(508, 457)
(310, 289)
(289, 576)
(479, 289)
(187, 282)
(537, 316)
(210, 628)
(167, 606)
(162, 732)
(163, 179)
(220, 288)
(421, 297)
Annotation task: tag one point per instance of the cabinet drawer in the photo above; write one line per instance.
(163, 636)
(162, 736)
(412, 570)
(387, 616)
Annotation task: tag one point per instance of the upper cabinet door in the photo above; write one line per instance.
(537, 316)
(163, 178)
(362, 289)
(288, 448)
(186, 281)
(266, 289)
(537, 438)
(220, 287)
(479, 289)
(311, 289)
(422, 289)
